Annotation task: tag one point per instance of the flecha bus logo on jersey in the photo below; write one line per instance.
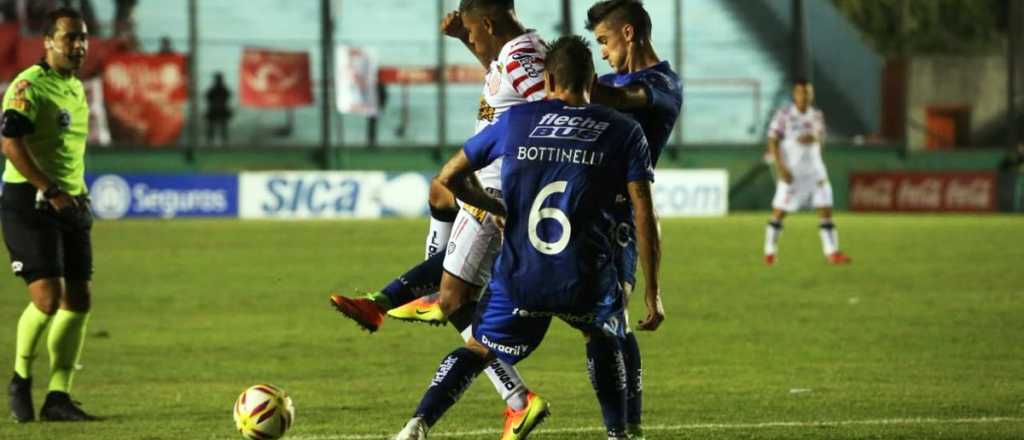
(555, 126)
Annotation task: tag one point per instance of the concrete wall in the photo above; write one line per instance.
(404, 32)
(846, 71)
(976, 82)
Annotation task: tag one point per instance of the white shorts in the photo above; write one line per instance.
(474, 244)
(790, 197)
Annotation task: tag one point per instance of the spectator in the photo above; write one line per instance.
(166, 47)
(34, 13)
(217, 111)
(371, 125)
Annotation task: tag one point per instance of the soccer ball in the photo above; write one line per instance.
(263, 412)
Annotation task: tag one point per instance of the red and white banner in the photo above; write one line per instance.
(416, 75)
(275, 79)
(923, 191)
(355, 74)
(99, 129)
(145, 96)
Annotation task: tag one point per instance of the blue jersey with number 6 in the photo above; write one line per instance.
(561, 169)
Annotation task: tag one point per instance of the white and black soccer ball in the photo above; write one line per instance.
(263, 412)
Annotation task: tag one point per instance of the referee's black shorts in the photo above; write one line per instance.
(41, 243)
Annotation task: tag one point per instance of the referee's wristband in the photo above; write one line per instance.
(51, 192)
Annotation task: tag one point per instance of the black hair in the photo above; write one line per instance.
(801, 81)
(571, 63)
(54, 16)
(630, 12)
(486, 7)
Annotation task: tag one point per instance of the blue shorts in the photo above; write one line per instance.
(626, 253)
(512, 334)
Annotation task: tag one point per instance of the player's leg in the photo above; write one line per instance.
(498, 333)
(45, 299)
(605, 362)
(634, 372)
(625, 262)
(412, 292)
(67, 332)
(827, 228)
(475, 244)
(524, 408)
(443, 213)
(443, 210)
(368, 310)
(65, 343)
(33, 243)
(783, 201)
(454, 375)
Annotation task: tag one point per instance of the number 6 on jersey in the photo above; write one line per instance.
(537, 214)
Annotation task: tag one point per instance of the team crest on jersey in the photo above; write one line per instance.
(486, 112)
(19, 101)
(63, 119)
(20, 104)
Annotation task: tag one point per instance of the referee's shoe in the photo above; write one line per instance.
(59, 407)
(20, 392)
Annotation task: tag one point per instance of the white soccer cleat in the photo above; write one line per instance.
(416, 429)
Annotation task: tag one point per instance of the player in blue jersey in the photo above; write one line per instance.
(562, 157)
(649, 91)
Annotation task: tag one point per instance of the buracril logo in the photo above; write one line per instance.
(111, 197)
(513, 350)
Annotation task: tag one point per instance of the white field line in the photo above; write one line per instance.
(693, 427)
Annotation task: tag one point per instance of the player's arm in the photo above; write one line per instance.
(15, 127)
(648, 239)
(820, 129)
(776, 155)
(452, 26)
(628, 97)
(639, 175)
(775, 131)
(457, 176)
(479, 151)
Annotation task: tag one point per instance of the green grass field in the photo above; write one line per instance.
(921, 338)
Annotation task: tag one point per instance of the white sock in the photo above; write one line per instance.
(771, 237)
(829, 237)
(506, 379)
(437, 236)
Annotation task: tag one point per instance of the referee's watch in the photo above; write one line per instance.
(51, 192)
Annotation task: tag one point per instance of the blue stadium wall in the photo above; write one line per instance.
(723, 40)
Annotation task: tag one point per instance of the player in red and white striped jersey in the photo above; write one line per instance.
(795, 139)
(514, 57)
(468, 237)
(514, 76)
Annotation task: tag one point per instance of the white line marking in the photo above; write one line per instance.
(695, 427)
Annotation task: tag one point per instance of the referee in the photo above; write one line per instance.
(45, 214)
